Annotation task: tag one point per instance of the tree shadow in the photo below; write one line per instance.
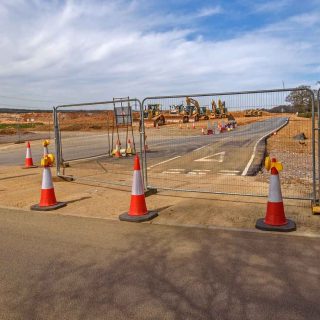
(176, 273)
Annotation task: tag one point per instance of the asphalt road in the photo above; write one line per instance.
(229, 153)
(60, 267)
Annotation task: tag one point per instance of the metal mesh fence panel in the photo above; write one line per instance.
(95, 141)
(217, 142)
(19, 127)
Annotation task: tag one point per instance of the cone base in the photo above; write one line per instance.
(146, 217)
(29, 167)
(56, 206)
(289, 226)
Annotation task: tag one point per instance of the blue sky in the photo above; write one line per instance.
(57, 51)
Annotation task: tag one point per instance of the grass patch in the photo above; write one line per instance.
(20, 125)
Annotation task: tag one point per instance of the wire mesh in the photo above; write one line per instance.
(225, 153)
(19, 127)
(93, 145)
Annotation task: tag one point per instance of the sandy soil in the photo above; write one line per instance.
(20, 188)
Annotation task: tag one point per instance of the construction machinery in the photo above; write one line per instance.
(220, 111)
(153, 114)
(253, 113)
(195, 111)
(178, 112)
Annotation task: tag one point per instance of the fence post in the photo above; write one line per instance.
(318, 112)
(56, 139)
(142, 147)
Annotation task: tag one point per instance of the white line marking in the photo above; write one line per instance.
(157, 164)
(227, 174)
(172, 172)
(206, 159)
(201, 147)
(176, 169)
(246, 169)
(229, 171)
(201, 170)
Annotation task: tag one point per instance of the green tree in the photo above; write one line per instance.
(300, 100)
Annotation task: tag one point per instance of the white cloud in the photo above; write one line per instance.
(209, 11)
(271, 6)
(82, 51)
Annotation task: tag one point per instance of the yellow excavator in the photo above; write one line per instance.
(153, 114)
(220, 111)
(195, 111)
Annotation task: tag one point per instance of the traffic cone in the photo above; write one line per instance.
(275, 219)
(28, 161)
(48, 199)
(45, 147)
(129, 150)
(202, 131)
(117, 153)
(193, 125)
(46, 151)
(138, 211)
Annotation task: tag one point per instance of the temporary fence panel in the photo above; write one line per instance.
(95, 141)
(25, 126)
(217, 142)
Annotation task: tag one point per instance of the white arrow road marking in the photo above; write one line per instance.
(219, 155)
(158, 164)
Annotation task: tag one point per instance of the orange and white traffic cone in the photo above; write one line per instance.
(48, 199)
(130, 151)
(275, 219)
(28, 161)
(138, 211)
(117, 153)
(193, 125)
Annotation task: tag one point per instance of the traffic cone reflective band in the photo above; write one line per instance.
(48, 199)
(275, 219)
(28, 161)
(138, 211)
(117, 153)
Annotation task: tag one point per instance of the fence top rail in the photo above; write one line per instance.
(96, 103)
(228, 93)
